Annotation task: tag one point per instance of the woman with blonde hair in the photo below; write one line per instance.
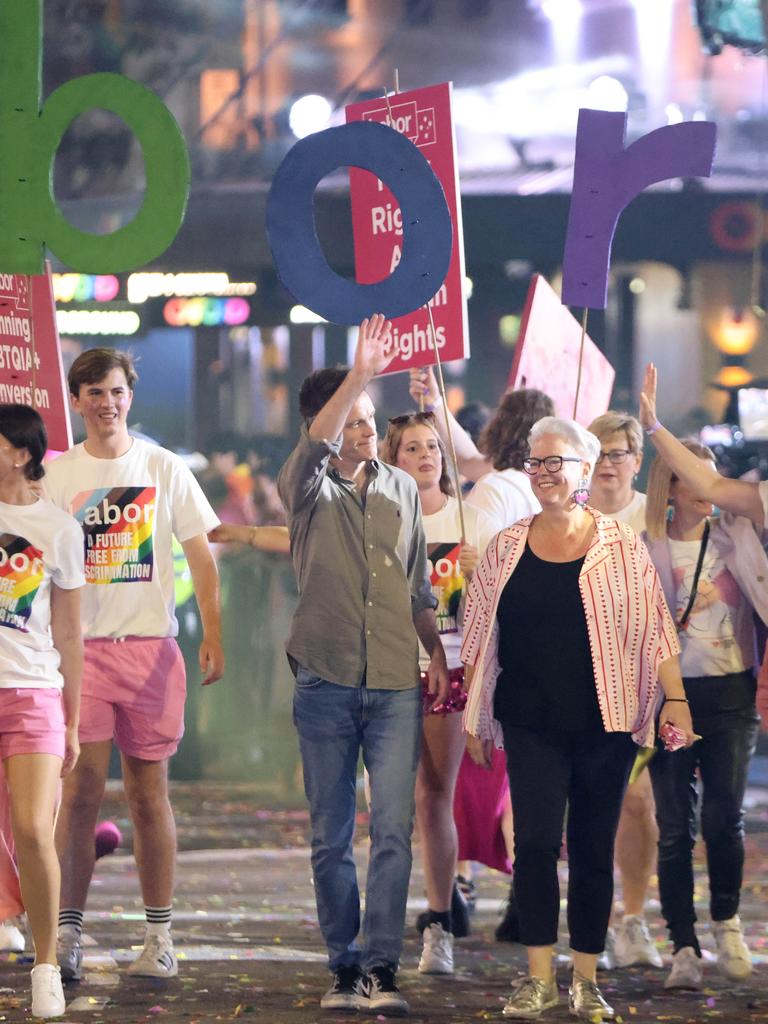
(413, 445)
(568, 642)
(712, 572)
(614, 494)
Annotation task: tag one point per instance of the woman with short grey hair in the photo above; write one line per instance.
(580, 439)
(567, 642)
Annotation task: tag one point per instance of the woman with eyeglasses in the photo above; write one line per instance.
(713, 573)
(413, 445)
(41, 575)
(567, 641)
(621, 456)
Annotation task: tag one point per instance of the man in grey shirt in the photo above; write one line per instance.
(360, 558)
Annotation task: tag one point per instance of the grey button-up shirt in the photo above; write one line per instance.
(361, 568)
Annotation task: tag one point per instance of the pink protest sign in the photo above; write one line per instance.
(547, 357)
(31, 372)
(424, 117)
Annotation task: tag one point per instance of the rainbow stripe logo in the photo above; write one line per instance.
(21, 573)
(118, 526)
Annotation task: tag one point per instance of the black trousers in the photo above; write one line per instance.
(588, 772)
(721, 760)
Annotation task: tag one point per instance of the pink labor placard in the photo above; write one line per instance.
(31, 371)
(424, 117)
(547, 357)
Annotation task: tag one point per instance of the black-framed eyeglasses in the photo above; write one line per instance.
(552, 463)
(615, 456)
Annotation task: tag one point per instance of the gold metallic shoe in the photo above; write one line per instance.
(585, 1001)
(531, 997)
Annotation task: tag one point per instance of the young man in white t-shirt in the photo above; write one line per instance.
(131, 498)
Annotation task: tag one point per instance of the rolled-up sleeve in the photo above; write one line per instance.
(302, 474)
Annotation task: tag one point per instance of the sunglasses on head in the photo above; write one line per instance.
(412, 417)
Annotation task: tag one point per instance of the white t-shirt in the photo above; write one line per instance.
(39, 545)
(720, 624)
(632, 514)
(443, 533)
(130, 509)
(505, 495)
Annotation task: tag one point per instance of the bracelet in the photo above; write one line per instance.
(675, 700)
(653, 428)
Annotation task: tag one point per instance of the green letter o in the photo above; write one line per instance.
(166, 163)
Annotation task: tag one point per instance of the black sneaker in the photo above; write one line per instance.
(348, 991)
(460, 923)
(383, 995)
(508, 929)
(459, 913)
(468, 890)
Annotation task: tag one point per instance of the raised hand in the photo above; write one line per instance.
(375, 350)
(647, 414)
(423, 385)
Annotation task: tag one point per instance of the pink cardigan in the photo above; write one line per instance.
(630, 628)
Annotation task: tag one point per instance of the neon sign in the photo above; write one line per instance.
(153, 285)
(202, 312)
(98, 321)
(85, 287)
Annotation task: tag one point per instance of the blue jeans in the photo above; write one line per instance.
(334, 724)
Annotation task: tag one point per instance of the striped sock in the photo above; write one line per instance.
(71, 917)
(158, 920)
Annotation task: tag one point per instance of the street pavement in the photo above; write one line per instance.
(249, 946)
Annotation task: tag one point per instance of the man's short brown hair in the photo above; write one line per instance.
(94, 364)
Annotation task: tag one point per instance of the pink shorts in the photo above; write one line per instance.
(31, 721)
(133, 693)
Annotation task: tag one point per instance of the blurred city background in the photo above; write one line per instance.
(222, 348)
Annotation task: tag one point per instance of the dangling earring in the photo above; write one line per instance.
(670, 510)
(581, 495)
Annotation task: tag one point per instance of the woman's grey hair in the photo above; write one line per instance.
(584, 444)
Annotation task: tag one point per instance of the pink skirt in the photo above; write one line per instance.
(478, 807)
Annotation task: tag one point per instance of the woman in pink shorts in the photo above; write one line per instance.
(41, 573)
(412, 444)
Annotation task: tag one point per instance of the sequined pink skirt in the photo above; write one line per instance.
(457, 697)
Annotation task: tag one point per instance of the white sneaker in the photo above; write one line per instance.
(733, 956)
(687, 970)
(47, 993)
(437, 954)
(157, 959)
(11, 936)
(607, 959)
(634, 945)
